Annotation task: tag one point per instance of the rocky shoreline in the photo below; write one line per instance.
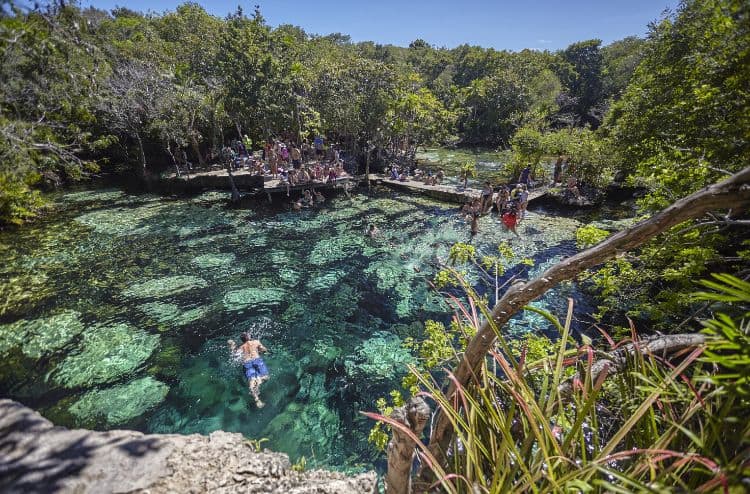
(36, 456)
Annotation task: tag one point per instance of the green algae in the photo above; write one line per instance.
(335, 249)
(119, 404)
(122, 221)
(313, 430)
(107, 353)
(94, 195)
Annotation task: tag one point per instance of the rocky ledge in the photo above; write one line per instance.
(36, 456)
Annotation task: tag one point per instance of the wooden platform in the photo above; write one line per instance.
(448, 193)
(246, 181)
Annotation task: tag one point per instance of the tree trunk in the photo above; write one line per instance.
(235, 190)
(142, 155)
(197, 150)
(731, 193)
(174, 161)
(414, 414)
(367, 166)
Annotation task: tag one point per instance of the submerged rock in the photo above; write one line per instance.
(254, 297)
(103, 195)
(211, 261)
(325, 280)
(122, 221)
(164, 287)
(379, 358)
(335, 249)
(40, 336)
(309, 430)
(21, 291)
(107, 353)
(587, 198)
(119, 404)
(172, 314)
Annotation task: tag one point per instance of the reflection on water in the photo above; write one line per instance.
(116, 311)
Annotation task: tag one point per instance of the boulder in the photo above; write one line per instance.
(39, 457)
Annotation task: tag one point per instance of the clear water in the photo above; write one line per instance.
(491, 165)
(115, 311)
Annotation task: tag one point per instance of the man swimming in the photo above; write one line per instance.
(255, 368)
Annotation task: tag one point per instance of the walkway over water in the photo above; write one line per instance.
(247, 181)
(448, 193)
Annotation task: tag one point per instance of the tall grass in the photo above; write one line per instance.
(660, 425)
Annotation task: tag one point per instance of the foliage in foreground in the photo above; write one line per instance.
(658, 426)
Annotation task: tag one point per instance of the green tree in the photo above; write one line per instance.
(581, 75)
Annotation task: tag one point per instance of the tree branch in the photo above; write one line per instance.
(414, 414)
(617, 360)
(732, 192)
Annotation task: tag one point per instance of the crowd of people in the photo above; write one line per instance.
(292, 165)
(286, 161)
(510, 204)
(403, 174)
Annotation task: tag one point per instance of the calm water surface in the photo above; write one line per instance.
(115, 311)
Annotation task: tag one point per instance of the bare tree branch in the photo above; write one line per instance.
(730, 193)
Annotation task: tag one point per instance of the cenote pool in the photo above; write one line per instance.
(115, 311)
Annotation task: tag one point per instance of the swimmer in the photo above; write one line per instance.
(255, 368)
(372, 231)
(319, 197)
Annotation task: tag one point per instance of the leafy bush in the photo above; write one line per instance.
(538, 418)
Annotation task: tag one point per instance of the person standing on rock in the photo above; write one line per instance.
(255, 368)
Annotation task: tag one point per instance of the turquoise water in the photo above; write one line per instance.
(115, 310)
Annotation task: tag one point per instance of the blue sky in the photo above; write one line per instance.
(501, 24)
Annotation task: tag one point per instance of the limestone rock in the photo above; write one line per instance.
(48, 459)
